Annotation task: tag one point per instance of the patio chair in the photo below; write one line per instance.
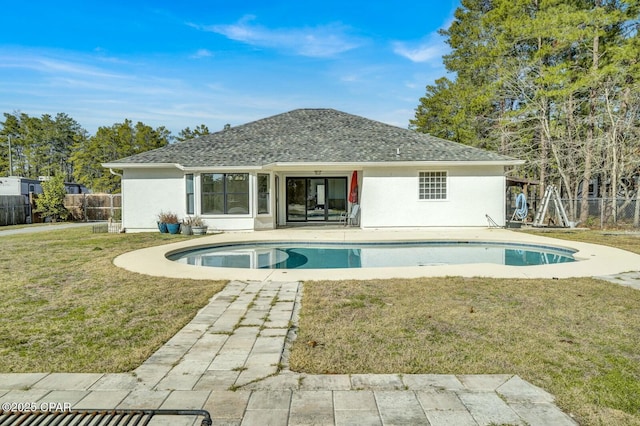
(349, 218)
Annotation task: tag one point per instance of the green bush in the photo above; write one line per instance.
(51, 202)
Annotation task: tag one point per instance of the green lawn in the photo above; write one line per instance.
(66, 308)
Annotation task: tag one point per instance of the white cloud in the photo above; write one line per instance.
(97, 94)
(433, 47)
(52, 65)
(202, 53)
(321, 41)
(422, 53)
(362, 74)
(350, 78)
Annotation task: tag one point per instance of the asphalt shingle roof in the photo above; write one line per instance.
(311, 135)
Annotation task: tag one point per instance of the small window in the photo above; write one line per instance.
(263, 194)
(433, 185)
(190, 194)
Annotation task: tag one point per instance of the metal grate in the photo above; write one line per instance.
(93, 417)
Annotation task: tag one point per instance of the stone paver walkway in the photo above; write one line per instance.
(231, 360)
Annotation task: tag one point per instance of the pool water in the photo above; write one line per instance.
(370, 255)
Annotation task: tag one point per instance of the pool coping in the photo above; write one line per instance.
(594, 260)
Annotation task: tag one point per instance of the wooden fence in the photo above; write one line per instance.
(93, 207)
(14, 210)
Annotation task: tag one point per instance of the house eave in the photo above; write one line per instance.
(220, 168)
(285, 166)
(123, 166)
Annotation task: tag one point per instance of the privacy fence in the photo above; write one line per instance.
(18, 209)
(93, 207)
(13, 210)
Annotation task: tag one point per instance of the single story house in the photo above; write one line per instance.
(310, 166)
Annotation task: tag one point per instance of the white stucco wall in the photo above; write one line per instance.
(390, 198)
(147, 192)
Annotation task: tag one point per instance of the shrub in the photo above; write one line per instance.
(51, 202)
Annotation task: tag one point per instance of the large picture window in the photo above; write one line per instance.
(433, 185)
(225, 193)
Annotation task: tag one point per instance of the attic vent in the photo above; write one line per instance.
(227, 126)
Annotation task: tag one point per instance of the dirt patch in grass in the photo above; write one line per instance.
(576, 338)
(66, 308)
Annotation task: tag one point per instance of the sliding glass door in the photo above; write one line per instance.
(296, 200)
(312, 199)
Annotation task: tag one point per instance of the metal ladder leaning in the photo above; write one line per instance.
(551, 194)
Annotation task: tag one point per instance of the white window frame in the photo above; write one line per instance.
(190, 196)
(433, 185)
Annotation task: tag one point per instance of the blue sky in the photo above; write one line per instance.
(180, 64)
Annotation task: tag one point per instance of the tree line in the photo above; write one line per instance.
(59, 146)
(553, 82)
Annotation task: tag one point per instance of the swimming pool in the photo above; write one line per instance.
(329, 255)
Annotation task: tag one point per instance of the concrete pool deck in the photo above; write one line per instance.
(595, 260)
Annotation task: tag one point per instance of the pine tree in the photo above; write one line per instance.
(110, 144)
(187, 133)
(554, 82)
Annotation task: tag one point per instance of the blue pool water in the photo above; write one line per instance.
(370, 255)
